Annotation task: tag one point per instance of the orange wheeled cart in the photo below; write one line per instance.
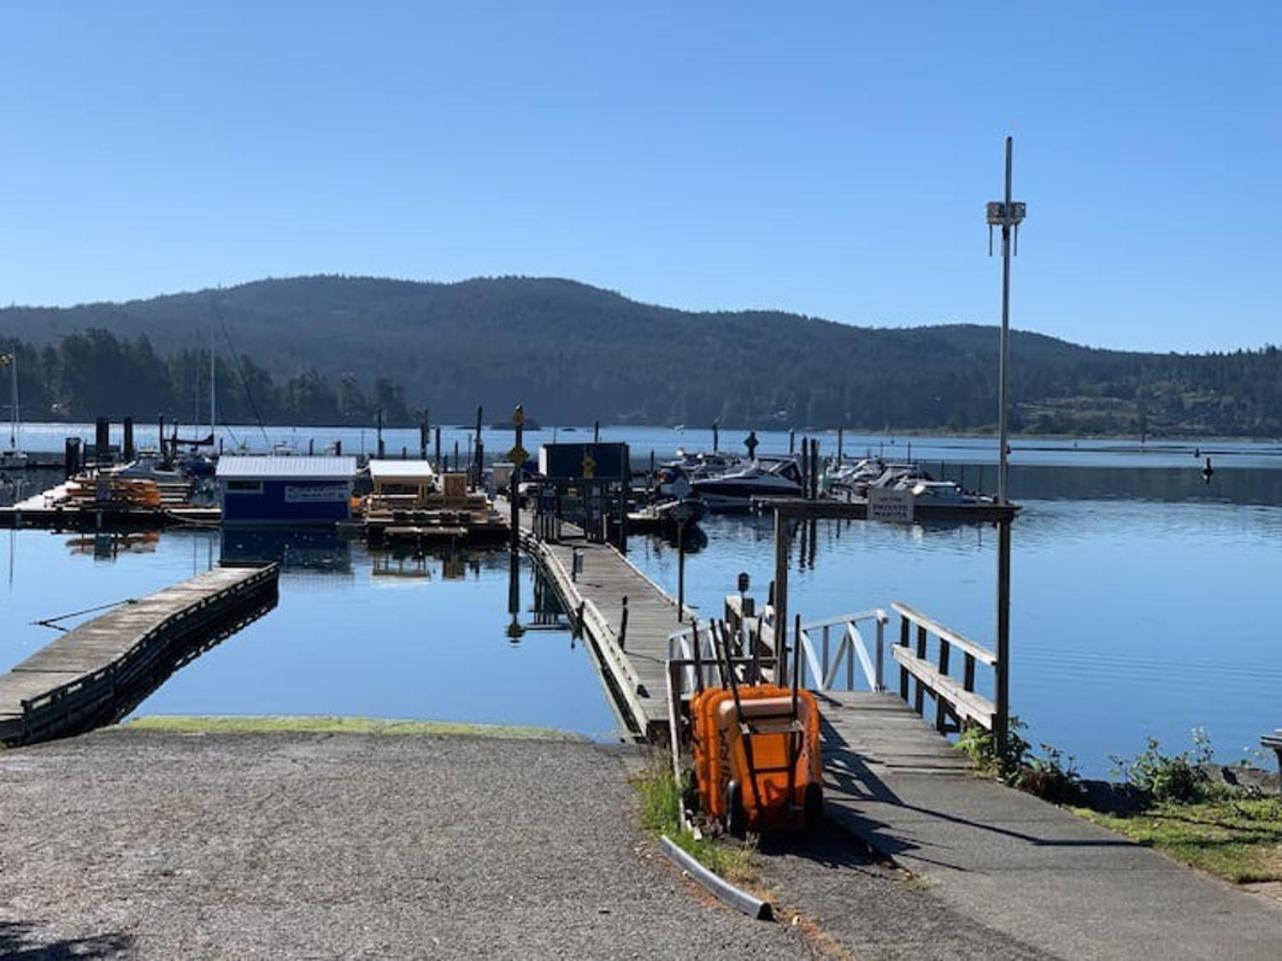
(757, 757)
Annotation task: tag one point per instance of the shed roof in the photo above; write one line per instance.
(415, 471)
(275, 467)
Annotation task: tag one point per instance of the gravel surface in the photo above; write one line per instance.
(148, 845)
(870, 911)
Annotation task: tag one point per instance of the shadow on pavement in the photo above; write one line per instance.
(20, 941)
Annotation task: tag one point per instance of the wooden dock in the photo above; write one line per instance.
(99, 671)
(632, 648)
(56, 509)
(881, 735)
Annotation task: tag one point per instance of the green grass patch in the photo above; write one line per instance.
(1238, 839)
(660, 813)
(319, 724)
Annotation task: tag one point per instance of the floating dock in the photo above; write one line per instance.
(96, 673)
(625, 614)
(57, 510)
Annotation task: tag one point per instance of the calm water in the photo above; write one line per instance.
(1129, 618)
(353, 633)
(665, 440)
(1144, 601)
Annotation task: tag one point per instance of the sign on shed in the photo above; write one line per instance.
(890, 506)
(572, 461)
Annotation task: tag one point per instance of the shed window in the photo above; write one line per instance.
(244, 487)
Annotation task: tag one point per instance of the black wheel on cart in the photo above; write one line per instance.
(736, 818)
(814, 806)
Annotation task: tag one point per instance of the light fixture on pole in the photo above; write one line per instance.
(1007, 214)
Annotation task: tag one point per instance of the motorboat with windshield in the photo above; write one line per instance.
(763, 478)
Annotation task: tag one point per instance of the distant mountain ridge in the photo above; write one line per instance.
(573, 353)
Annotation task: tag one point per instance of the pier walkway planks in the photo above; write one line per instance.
(1029, 869)
(99, 668)
(637, 661)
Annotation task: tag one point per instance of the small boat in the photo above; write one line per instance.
(947, 500)
(149, 466)
(668, 515)
(763, 478)
(933, 493)
(848, 480)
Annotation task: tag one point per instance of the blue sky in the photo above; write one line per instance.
(832, 159)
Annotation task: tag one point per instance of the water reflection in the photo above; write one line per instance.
(546, 612)
(107, 546)
(692, 539)
(348, 636)
(295, 549)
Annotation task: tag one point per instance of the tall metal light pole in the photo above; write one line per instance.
(1007, 214)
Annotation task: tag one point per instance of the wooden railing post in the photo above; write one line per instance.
(941, 711)
(919, 694)
(903, 671)
(880, 682)
(850, 659)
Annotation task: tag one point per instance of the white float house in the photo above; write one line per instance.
(285, 490)
(403, 484)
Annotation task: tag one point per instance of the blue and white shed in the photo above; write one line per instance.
(285, 490)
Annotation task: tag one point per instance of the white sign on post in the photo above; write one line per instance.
(890, 506)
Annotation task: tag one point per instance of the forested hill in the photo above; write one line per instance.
(314, 349)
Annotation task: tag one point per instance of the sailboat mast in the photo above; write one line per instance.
(13, 421)
(213, 422)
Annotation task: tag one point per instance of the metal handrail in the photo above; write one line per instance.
(822, 665)
(820, 668)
